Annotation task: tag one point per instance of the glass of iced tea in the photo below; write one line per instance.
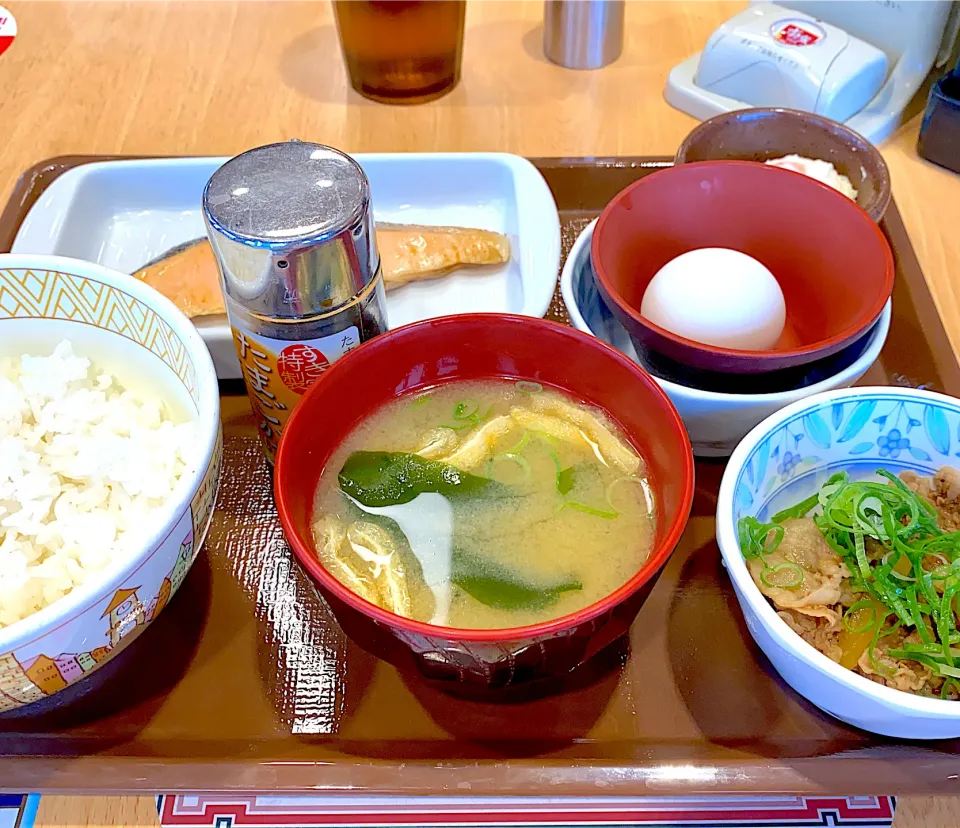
(402, 51)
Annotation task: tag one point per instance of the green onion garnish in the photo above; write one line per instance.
(856, 609)
(945, 690)
(802, 509)
(519, 459)
(521, 445)
(758, 539)
(465, 410)
(589, 510)
(785, 575)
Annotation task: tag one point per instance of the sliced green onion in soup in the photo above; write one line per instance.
(465, 409)
(566, 478)
(521, 445)
(459, 426)
(606, 514)
(639, 481)
(509, 457)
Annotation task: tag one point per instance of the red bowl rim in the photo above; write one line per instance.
(847, 334)
(661, 552)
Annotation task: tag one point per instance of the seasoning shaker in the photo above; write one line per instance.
(292, 231)
(583, 34)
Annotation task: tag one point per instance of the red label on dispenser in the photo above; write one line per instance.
(794, 34)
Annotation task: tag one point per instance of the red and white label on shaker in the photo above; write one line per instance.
(277, 372)
(797, 33)
(8, 29)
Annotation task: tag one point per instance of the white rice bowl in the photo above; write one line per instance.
(110, 450)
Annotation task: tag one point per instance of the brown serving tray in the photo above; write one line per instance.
(246, 683)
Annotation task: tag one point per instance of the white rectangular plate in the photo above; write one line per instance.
(123, 214)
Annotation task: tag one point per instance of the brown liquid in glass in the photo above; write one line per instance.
(402, 51)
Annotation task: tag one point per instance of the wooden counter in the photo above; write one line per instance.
(215, 78)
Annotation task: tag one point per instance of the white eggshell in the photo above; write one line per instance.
(719, 297)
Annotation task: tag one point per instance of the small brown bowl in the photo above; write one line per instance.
(762, 134)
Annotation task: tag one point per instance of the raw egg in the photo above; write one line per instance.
(718, 297)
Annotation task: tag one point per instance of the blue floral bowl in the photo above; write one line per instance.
(786, 458)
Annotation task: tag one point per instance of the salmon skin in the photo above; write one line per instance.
(187, 274)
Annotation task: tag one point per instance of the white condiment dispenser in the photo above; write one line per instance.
(771, 56)
(860, 62)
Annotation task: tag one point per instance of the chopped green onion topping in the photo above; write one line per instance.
(784, 575)
(802, 509)
(947, 685)
(850, 616)
(758, 539)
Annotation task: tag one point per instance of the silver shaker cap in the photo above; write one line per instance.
(292, 229)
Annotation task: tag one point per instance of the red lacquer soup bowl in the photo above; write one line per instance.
(832, 261)
(471, 347)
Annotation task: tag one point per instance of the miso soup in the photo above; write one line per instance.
(484, 505)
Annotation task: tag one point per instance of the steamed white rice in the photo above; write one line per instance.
(85, 467)
(819, 170)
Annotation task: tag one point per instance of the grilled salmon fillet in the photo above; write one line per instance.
(188, 275)
(410, 252)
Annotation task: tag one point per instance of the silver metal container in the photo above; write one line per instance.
(583, 34)
(292, 230)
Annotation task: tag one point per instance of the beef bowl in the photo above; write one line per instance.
(486, 499)
(837, 521)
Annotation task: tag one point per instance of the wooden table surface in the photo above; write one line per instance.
(215, 78)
